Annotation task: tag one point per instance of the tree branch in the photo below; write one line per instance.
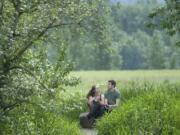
(20, 53)
(1, 11)
(50, 26)
(62, 24)
(9, 107)
(32, 8)
(16, 17)
(30, 73)
(30, 42)
(1, 7)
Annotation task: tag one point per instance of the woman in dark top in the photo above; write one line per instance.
(96, 102)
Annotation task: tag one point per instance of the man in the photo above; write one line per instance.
(112, 95)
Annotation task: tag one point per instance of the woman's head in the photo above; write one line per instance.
(94, 91)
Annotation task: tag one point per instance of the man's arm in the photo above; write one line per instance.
(115, 105)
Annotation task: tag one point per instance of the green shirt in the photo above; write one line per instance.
(111, 96)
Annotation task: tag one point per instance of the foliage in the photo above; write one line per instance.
(26, 74)
(168, 18)
(71, 105)
(116, 37)
(35, 119)
(152, 112)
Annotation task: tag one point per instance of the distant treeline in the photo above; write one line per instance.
(118, 38)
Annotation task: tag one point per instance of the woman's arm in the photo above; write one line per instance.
(90, 99)
(103, 101)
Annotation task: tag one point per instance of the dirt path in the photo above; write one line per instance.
(88, 131)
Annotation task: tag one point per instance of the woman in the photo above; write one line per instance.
(96, 102)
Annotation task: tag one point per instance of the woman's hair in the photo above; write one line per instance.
(91, 92)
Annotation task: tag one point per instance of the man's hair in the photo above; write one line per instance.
(112, 82)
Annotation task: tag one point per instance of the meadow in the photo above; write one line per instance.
(147, 101)
(150, 105)
(123, 77)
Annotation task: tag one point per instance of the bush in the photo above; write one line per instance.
(36, 120)
(71, 105)
(155, 112)
(43, 115)
(135, 88)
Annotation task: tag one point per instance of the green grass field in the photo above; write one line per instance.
(89, 78)
(147, 99)
(149, 94)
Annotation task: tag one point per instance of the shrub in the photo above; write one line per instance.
(71, 105)
(155, 112)
(135, 88)
(36, 120)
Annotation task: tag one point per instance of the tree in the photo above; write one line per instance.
(134, 50)
(25, 72)
(98, 44)
(101, 35)
(156, 52)
(169, 18)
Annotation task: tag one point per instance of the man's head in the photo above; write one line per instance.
(111, 84)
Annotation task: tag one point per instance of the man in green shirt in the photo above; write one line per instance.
(112, 95)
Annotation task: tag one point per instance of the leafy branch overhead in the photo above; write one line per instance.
(168, 18)
(25, 26)
(29, 21)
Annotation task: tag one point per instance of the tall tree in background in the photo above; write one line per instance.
(102, 38)
(98, 44)
(112, 27)
(156, 52)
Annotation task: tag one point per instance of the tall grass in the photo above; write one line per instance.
(149, 102)
(146, 109)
